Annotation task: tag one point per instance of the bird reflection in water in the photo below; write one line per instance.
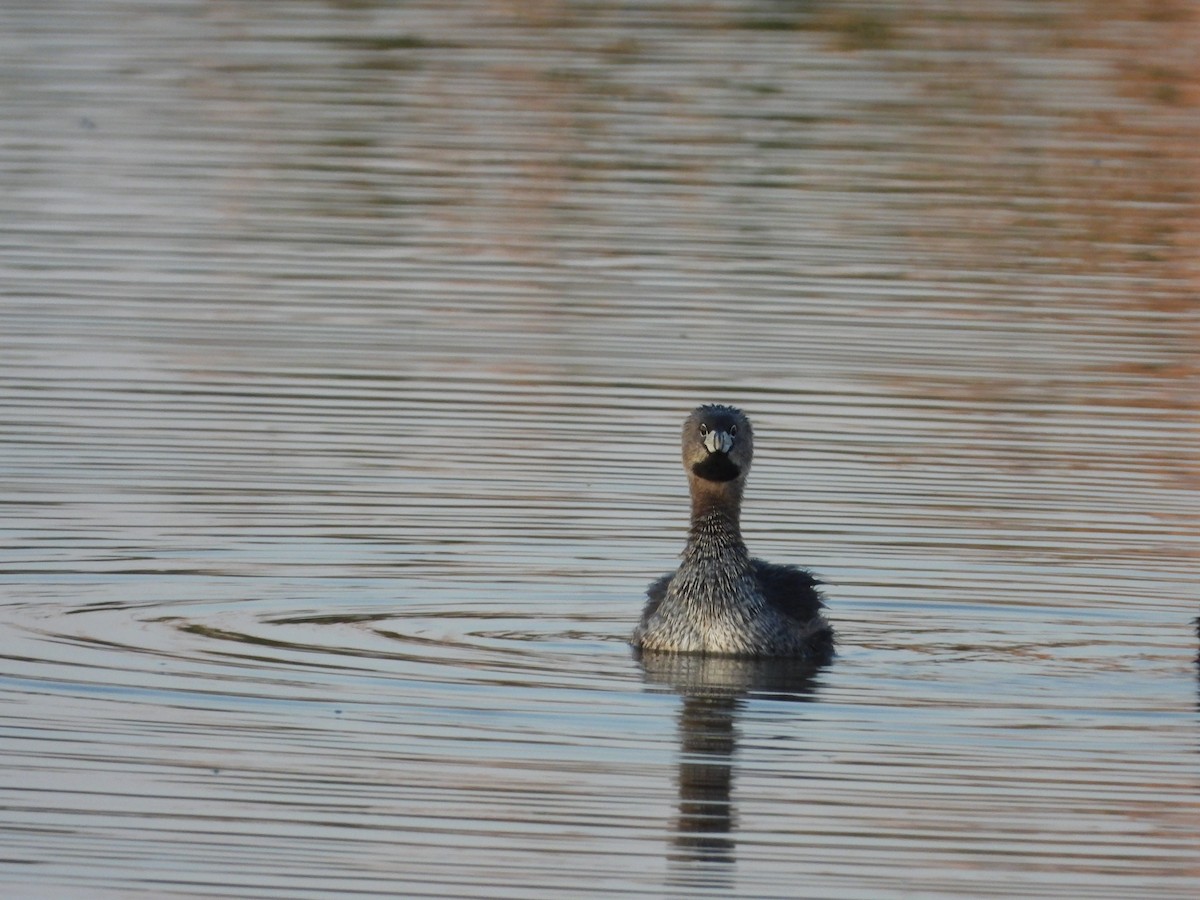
(714, 691)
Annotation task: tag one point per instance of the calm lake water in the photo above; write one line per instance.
(343, 352)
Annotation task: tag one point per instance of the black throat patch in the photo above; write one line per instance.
(716, 467)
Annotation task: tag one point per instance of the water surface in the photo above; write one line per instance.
(343, 351)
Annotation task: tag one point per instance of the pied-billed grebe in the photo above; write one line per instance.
(719, 600)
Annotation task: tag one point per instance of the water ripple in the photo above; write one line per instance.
(344, 349)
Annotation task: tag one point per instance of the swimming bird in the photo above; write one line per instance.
(720, 601)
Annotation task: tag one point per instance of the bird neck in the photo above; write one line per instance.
(716, 511)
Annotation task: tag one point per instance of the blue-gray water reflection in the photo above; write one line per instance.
(342, 355)
(713, 691)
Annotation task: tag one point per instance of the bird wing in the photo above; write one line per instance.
(790, 589)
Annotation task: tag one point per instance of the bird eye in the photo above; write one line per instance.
(703, 429)
(733, 431)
